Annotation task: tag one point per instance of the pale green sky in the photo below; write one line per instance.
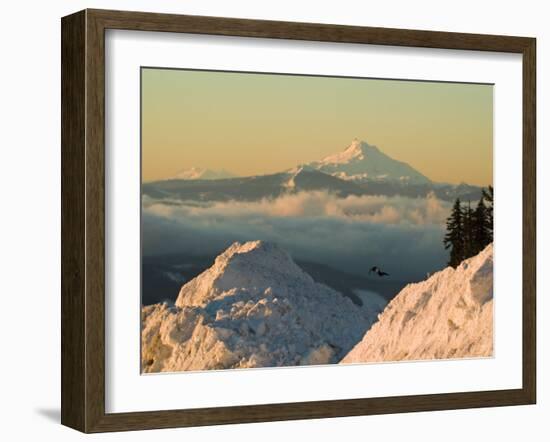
(261, 123)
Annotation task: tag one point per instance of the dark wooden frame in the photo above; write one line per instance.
(83, 216)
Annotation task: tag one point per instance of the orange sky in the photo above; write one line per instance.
(262, 123)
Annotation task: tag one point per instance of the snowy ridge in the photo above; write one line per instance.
(353, 152)
(361, 162)
(290, 183)
(450, 315)
(196, 173)
(253, 308)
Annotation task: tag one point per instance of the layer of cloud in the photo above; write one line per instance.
(402, 235)
(373, 209)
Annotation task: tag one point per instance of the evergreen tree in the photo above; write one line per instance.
(482, 227)
(468, 223)
(454, 238)
(487, 195)
(469, 231)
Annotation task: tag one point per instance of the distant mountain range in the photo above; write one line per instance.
(360, 169)
(197, 173)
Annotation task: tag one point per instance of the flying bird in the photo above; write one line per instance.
(378, 271)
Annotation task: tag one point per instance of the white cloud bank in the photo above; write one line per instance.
(402, 235)
(374, 209)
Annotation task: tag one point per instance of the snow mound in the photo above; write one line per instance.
(253, 308)
(450, 315)
(363, 162)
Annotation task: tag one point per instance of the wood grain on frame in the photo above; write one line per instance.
(83, 219)
(72, 221)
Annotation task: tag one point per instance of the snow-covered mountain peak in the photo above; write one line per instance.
(355, 147)
(360, 147)
(355, 151)
(294, 173)
(198, 173)
(301, 168)
(362, 162)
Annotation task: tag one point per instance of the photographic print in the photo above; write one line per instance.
(294, 220)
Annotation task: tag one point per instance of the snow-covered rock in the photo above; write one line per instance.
(361, 162)
(253, 308)
(292, 174)
(450, 315)
(197, 173)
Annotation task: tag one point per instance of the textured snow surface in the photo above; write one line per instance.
(450, 315)
(253, 308)
(361, 162)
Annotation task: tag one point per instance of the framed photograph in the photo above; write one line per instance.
(270, 220)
